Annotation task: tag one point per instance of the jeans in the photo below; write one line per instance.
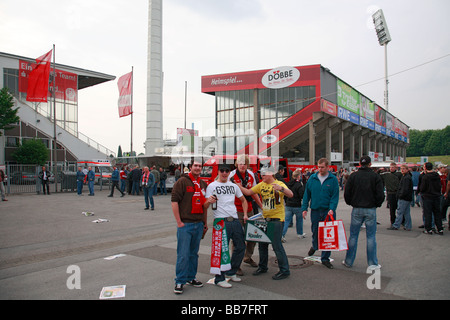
(148, 194)
(369, 217)
(115, 184)
(45, 186)
(316, 217)
(431, 208)
(79, 186)
(135, 187)
(162, 187)
(155, 189)
(188, 244)
(91, 187)
(403, 211)
(290, 212)
(235, 232)
(277, 246)
(123, 184)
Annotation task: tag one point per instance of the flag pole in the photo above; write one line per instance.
(54, 122)
(132, 85)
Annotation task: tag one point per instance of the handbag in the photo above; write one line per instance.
(331, 235)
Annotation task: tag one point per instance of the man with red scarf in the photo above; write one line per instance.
(188, 197)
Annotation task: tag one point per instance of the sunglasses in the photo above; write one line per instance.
(224, 170)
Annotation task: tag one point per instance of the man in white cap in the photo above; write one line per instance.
(272, 192)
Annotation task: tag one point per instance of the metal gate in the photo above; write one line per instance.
(22, 178)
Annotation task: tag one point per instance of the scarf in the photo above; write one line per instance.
(198, 199)
(220, 253)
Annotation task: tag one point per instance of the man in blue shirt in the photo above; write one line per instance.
(115, 177)
(91, 179)
(80, 181)
(322, 196)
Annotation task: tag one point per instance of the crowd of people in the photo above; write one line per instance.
(236, 194)
(131, 180)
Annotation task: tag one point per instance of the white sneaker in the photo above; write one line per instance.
(234, 278)
(224, 284)
(301, 236)
(374, 267)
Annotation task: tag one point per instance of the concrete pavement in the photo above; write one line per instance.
(42, 235)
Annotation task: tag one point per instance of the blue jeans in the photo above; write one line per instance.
(79, 186)
(277, 247)
(135, 187)
(91, 187)
(148, 194)
(188, 244)
(123, 184)
(316, 217)
(289, 213)
(403, 210)
(369, 217)
(162, 186)
(235, 232)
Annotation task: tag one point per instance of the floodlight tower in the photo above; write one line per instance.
(384, 38)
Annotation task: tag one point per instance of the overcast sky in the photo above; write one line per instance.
(205, 37)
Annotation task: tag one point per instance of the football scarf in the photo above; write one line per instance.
(198, 199)
(220, 253)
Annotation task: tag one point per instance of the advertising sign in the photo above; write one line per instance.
(281, 77)
(348, 116)
(366, 108)
(66, 87)
(261, 79)
(259, 231)
(328, 107)
(348, 98)
(188, 139)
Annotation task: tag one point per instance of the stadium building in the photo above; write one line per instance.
(37, 119)
(306, 112)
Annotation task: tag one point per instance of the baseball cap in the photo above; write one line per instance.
(365, 160)
(267, 171)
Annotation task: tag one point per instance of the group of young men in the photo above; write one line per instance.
(231, 196)
(233, 193)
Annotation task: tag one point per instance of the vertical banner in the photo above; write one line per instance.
(38, 79)
(125, 85)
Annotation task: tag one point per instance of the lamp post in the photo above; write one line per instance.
(384, 38)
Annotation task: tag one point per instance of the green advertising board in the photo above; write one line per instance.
(347, 97)
(259, 231)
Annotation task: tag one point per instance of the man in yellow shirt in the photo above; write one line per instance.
(272, 192)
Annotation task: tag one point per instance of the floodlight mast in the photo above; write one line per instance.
(384, 38)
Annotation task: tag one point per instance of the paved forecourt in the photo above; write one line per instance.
(50, 250)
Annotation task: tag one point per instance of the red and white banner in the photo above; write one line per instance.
(38, 79)
(66, 83)
(125, 85)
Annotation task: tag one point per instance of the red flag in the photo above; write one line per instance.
(125, 85)
(38, 79)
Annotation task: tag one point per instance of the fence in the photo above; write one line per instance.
(25, 179)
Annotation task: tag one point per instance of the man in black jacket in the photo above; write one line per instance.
(404, 196)
(430, 190)
(391, 181)
(44, 175)
(364, 192)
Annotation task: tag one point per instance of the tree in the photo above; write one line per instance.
(119, 152)
(429, 142)
(32, 151)
(8, 115)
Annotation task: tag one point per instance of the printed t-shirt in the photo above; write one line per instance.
(270, 208)
(226, 192)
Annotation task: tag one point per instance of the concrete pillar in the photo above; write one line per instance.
(154, 78)
(312, 143)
